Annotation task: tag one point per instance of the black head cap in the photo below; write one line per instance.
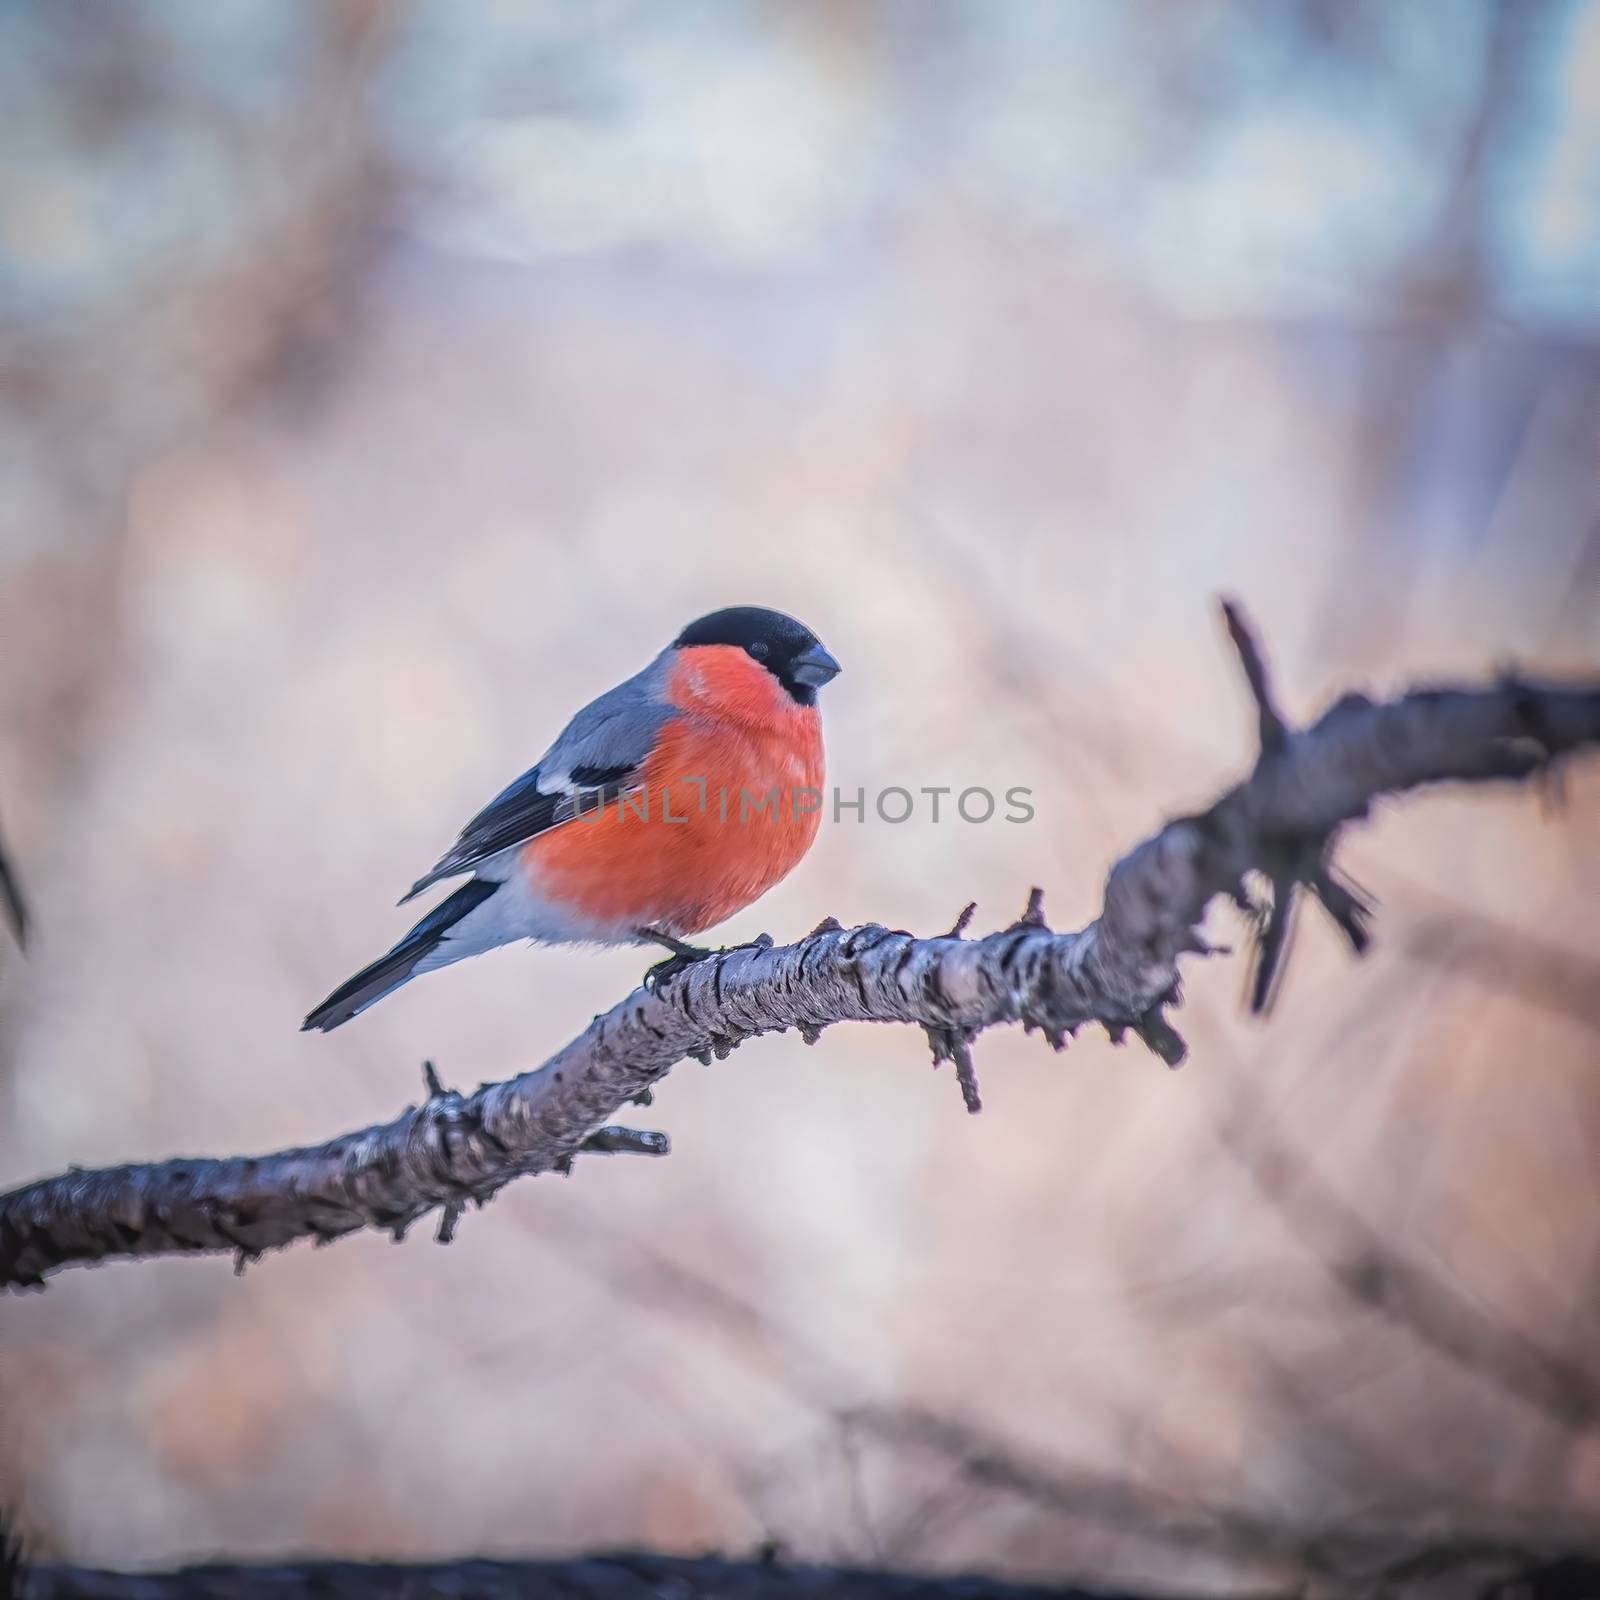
(789, 650)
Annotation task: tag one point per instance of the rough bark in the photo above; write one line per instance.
(1121, 972)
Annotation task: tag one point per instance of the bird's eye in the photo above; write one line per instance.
(758, 649)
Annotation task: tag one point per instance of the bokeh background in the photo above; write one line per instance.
(380, 380)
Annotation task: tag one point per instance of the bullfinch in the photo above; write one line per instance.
(671, 802)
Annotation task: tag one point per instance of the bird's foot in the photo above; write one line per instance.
(683, 957)
(686, 955)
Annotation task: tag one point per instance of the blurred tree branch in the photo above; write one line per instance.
(13, 908)
(1121, 972)
(1536, 972)
(1367, 1267)
(622, 1576)
(985, 1466)
(1477, 1566)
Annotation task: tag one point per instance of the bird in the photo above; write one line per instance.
(664, 806)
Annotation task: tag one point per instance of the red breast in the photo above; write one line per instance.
(724, 814)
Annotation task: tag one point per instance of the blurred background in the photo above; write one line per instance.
(381, 380)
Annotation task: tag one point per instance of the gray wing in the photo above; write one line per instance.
(596, 756)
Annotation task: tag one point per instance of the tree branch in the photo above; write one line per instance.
(614, 1576)
(1495, 1568)
(1121, 972)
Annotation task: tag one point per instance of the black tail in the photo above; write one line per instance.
(391, 970)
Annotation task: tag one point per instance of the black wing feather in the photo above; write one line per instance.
(520, 812)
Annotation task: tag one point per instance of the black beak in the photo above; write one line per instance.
(813, 667)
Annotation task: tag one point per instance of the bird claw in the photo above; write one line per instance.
(664, 971)
(685, 955)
